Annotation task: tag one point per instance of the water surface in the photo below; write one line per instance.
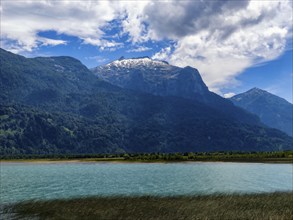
(24, 181)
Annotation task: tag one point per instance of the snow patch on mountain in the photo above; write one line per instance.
(153, 76)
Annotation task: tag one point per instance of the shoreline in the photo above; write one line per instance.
(237, 157)
(122, 160)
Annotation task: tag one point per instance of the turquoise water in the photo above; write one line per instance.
(24, 181)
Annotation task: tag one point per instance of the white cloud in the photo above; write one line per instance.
(229, 95)
(21, 21)
(220, 38)
(103, 44)
(217, 63)
(98, 59)
(164, 54)
(139, 49)
(48, 41)
(133, 18)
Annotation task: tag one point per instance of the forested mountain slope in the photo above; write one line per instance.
(56, 105)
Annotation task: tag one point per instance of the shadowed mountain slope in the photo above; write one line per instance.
(273, 111)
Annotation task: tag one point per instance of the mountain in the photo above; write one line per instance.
(56, 105)
(273, 111)
(155, 77)
(43, 79)
(159, 78)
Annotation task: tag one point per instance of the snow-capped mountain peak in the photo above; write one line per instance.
(140, 62)
(153, 76)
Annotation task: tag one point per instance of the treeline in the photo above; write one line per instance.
(187, 156)
(209, 156)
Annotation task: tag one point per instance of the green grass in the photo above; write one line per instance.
(277, 206)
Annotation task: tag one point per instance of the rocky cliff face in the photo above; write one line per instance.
(155, 77)
(160, 78)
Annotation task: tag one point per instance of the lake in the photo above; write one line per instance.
(25, 181)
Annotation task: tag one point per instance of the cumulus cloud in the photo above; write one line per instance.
(48, 41)
(175, 19)
(98, 59)
(139, 49)
(220, 38)
(133, 20)
(21, 21)
(164, 54)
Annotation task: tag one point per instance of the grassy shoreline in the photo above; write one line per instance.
(253, 157)
(247, 206)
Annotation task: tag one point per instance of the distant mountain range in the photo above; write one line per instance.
(55, 105)
(272, 110)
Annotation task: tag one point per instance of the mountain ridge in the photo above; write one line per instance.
(273, 110)
(46, 111)
(159, 78)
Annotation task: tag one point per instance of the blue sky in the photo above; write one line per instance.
(236, 45)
